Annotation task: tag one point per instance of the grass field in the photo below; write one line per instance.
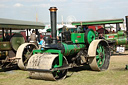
(115, 75)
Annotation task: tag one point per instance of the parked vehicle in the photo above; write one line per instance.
(9, 47)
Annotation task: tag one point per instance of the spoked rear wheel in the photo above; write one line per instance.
(99, 55)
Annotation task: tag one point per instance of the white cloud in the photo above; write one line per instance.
(42, 5)
(81, 1)
(18, 5)
(88, 1)
(21, 0)
(32, 0)
(58, 0)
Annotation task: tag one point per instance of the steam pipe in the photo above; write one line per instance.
(53, 24)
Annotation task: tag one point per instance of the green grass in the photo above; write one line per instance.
(115, 75)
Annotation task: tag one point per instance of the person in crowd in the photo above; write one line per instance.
(6, 37)
(113, 31)
(33, 37)
(42, 42)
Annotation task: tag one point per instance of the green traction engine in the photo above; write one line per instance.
(116, 39)
(119, 38)
(73, 50)
(10, 47)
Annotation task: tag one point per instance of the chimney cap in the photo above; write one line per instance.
(53, 9)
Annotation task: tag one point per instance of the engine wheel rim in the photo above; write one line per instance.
(23, 55)
(59, 74)
(100, 57)
(28, 51)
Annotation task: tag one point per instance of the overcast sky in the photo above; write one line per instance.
(79, 10)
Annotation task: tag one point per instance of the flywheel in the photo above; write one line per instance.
(16, 40)
(89, 36)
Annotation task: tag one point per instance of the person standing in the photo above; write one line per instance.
(6, 37)
(42, 43)
(33, 37)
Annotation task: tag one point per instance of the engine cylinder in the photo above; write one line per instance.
(71, 49)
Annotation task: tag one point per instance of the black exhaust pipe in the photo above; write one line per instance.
(53, 24)
(126, 17)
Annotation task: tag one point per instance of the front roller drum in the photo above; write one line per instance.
(46, 62)
(99, 55)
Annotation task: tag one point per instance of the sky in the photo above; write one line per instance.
(68, 10)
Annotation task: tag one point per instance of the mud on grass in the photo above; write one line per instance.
(115, 75)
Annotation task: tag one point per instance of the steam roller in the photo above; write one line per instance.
(75, 49)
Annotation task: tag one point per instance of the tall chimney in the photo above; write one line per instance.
(53, 24)
(126, 17)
